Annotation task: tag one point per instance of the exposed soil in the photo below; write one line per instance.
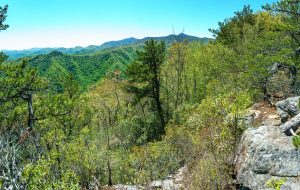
(266, 112)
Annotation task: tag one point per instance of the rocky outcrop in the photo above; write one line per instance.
(291, 126)
(172, 182)
(266, 153)
(281, 80)
(288, 108)
(127, 187)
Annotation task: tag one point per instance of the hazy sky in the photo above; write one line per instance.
(69, 23)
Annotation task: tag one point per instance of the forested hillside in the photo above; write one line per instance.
(86, 69)
(146, 109)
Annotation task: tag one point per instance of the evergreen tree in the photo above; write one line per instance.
(3, 12)
(144, 76)
(290, 10)
(233, 31)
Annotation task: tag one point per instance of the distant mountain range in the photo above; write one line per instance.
(15, 54)
(90, 64)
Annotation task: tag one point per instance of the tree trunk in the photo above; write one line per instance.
(31, 123)
(109, 174)
(30, 113)
(159, 110)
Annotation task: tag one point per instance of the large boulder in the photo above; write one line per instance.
(264, 154)
(281, 80)
(288, 108)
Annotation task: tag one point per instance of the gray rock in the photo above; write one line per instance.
(293, 124)
(265, 153)
(281, 80)
(275, 67)
(288, 108)
(292, 186)
(128, 187)
(155, 184)
(172, 182)
(250, 117)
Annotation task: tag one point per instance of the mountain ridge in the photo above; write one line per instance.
(79, 50)
(91, 63)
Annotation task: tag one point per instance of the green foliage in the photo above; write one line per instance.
(136, 131)
(19, 85)
(289, 10)
(296, 141)
(152, 162)
(86, 69)
(233, 31)
(39, 176)
(3, 12)
(67, 109)
(177, 104)
(146, 69)
(275, 184)
(18, 79)
(144, 77)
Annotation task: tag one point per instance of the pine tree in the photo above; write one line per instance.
(144, 76)
(290, 9)
(3, 12)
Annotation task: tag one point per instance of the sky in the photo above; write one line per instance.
(70, 23)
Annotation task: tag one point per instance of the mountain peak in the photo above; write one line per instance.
(182, 34)
(55, 53)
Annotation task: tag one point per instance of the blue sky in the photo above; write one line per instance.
(69, 23)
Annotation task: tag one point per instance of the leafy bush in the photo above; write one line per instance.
(40, 176)
(152, 162)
